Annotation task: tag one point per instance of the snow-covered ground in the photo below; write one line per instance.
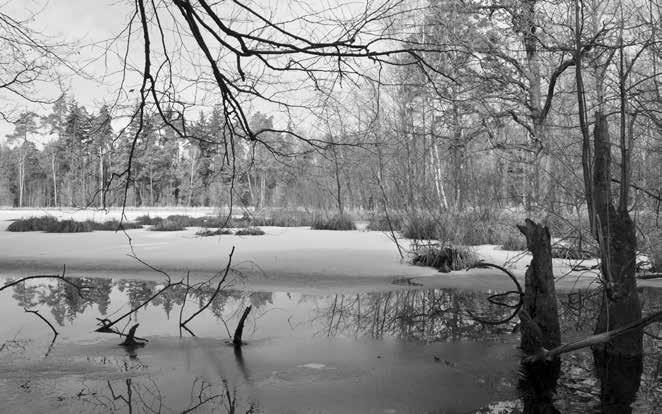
(296, 259)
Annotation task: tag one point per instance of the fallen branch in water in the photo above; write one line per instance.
(55, 332)
(494, 298)
(236, 341)
(597, 339)
(56, 277)
(216, 292)
(106, 324)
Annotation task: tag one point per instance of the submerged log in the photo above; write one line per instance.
(540, 320)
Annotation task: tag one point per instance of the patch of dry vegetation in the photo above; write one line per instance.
(336, 222)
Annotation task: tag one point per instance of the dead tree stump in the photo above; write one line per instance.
(131, 340)
(236, 341)
(540, 324)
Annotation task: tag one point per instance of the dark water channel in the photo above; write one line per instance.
(405, 351)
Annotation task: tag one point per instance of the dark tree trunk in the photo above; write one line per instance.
(619, 362)
(540, 293)
(238, 333)
(540, 323)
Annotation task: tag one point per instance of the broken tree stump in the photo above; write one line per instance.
(131, 340)
(540, 323)
(540, 327)
(236, 341)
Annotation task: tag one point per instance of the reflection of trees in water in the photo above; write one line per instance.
(65, 303)
(444, 315)
(425, 315)
(63, 299)
(143, 395)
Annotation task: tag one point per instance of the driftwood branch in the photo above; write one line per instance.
(592, 340)
(494, 298)
(236, 341)
(56, 277)
(106, 324)
(36, 312)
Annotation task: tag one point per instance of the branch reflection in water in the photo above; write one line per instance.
(428, 316)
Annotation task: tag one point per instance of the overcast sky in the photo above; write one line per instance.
(87, 24)
(90, 24)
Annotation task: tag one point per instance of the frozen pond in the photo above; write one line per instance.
(400, 351)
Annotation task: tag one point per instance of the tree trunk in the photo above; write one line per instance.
(21, 176)
(102, 198)
(262, 187)
(540, 323)
(619, 362)
(54, 179)
(338, 184)
(190, 187)
(540, 292)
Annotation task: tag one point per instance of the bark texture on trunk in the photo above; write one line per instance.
(540, 323)
(619, 362)
(542, 330)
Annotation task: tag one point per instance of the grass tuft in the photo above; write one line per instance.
(70, 226)
(167, 225)
(336, 222)
(444, 258)
(32, 224)
(217, 232)
(146, 220)
(112, 225)
(380, 223)
(281, 218)
(423, 227)
(250, 231)
(50, 224)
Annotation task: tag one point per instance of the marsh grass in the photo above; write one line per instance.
(112, 225)
(217, 232)
(250, 231)
(146, 220)
(281, 218)
(470, 228)
(336, 222)
(444, 258)
(380, 223)
(32, 224)
(51, 224)
(167, 225)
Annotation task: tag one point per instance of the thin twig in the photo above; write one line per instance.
(36, 312)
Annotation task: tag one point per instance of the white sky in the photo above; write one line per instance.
(90, 23)
(82, 22)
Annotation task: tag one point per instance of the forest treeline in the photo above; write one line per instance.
(83, 162)
(488, 121)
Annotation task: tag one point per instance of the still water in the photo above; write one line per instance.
(405, 351)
